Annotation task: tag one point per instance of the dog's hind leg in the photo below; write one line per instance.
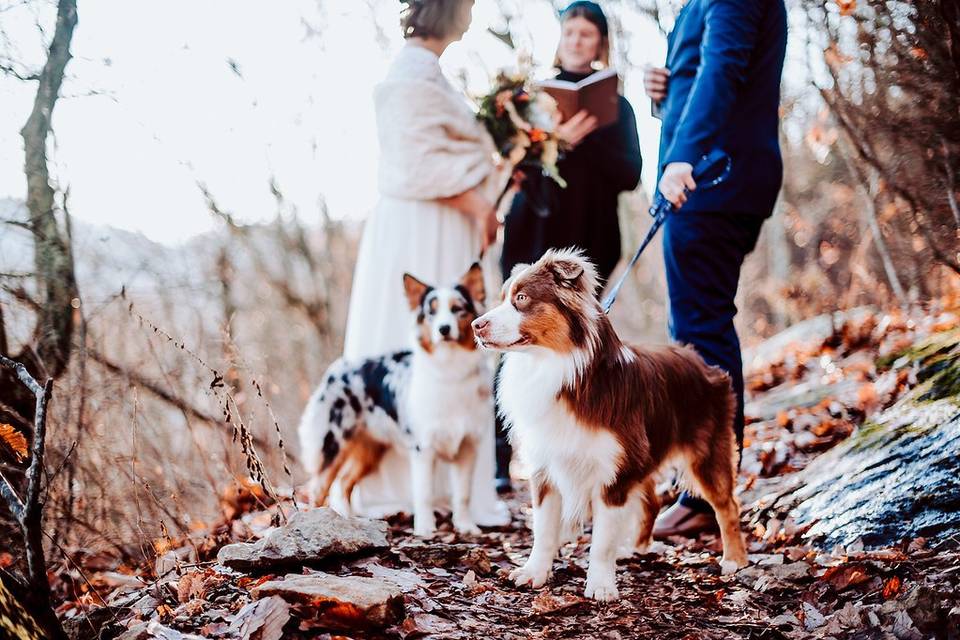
(363, 454)
(714, 476)
(649, 508)
(318, 488)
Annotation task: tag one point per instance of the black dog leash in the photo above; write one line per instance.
(716, 162)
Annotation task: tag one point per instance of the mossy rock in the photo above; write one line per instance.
(898, 476)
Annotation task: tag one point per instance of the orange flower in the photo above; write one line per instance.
(537, 135)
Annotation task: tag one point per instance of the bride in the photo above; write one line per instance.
(435, 215)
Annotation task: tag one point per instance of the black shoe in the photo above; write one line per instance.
(503, 486)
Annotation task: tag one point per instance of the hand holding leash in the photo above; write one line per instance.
(677, 181)
(710, 170)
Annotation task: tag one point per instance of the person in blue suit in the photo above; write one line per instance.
(719, 89)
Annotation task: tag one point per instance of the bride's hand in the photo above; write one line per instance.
(576, 127)
(489, 224)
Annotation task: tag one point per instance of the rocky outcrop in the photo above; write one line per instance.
(898, 476)
(308, 537)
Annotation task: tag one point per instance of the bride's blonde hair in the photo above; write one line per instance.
(430, 18)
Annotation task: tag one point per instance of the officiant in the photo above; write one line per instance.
(599, 163)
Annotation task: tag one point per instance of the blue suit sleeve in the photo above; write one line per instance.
(729, 36)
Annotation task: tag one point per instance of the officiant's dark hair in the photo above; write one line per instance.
(592, 12)
(430, 18)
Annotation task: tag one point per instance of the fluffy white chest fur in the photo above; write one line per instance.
(449, 399)
(578, 460)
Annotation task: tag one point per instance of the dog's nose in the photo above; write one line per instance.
(480, 326)
(444, 330)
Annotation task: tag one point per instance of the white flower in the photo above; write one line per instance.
(542, 111)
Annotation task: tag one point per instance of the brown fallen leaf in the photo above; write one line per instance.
(545, 603)
(261, 620)
(425, 624)
(14, 440)
(846, 575)
(891, 588)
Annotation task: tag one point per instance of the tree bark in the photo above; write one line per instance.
(52, 256)
(53, 260)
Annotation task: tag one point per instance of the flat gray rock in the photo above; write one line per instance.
(338, 602)
(309, 536)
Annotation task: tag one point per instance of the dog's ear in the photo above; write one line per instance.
(472, 281)
(415, 291)
(517, 268)
(566, 271)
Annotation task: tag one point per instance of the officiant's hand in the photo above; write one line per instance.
(655, 82)
(676, 177)
(576, 127)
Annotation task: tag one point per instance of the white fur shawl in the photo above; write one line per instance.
(431, 145)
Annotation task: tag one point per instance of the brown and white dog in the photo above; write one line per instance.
(594, 418)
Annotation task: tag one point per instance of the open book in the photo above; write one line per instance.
(597, 93)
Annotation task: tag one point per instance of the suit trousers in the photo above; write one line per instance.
(703, 253)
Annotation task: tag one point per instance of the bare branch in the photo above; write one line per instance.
(162, 394)
(6, 69)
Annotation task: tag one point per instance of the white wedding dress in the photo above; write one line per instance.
(431, 146)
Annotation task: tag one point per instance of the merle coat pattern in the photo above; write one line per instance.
(431, 401)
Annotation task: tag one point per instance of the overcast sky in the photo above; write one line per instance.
(229, 93)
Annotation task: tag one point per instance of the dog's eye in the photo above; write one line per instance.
(520, 297)
(456, 309)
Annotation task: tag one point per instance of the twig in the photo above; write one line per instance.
(29, 510)
(10, 71)
(163, 394)
(951, 184)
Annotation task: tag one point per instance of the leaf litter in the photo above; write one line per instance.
(805, 396)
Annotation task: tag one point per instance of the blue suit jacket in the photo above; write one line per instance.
(725, 59)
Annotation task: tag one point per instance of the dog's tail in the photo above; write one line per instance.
(723, 403)
(322, 432)
(313, 430)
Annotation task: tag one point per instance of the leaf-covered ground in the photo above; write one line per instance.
(809, 391)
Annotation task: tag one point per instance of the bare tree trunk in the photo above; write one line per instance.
(56, 283)
(53, 260)
(868, 190)
(778, 254)
(870, 213)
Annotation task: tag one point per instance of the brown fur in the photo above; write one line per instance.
(357, 458)
(659, 403)
(540, 487)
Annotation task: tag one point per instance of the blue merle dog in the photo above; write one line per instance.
(433, 402)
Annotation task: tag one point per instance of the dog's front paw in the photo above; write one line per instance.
(467, 527)
(730, 567)
(602, 588)
(530, 574)
(425, 530)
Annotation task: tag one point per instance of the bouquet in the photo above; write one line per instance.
(523, 123)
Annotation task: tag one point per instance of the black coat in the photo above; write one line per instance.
(584, 214)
